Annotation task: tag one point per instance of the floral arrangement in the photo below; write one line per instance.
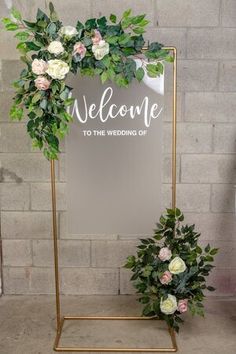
(170, 270)
(50, 51)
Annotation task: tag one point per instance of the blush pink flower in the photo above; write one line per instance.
(97, 37)
(79, 48)
(39, 66)
(42, 83)
(183, 305)
(166, 277)
(164, 254)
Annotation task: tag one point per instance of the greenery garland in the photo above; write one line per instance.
(170, 270)
(98, 47)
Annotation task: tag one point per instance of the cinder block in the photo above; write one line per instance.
(191, 138)
(187, 13)
(223, 198)
(208, 168)
(213, 226)
(210, 106)
(175, 37)
(8, 44)
(25, 167)
(10, 72)
(41, 196)
(16, 280)
(71, 253)
(126, 286)
(14, 138)
(211, 43)
(196, 75)
(90, 281)
(115, 251)
(21, 225)
(106, 7)
(17, 253)
(227, 76)
(190, 197)
(42, 281)
(225, 138)
(15, 196)
(228, 13)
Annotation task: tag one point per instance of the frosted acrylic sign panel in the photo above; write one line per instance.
(114, 158)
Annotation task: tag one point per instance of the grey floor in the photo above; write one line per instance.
(27, 325)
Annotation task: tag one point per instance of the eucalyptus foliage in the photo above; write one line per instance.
(182, 241)
(47, 108)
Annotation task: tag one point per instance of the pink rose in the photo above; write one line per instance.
(166, 277)
(79, 48)
(183, 305)
(39, 66)
(97, 37)
(42, 83)
(164, 254)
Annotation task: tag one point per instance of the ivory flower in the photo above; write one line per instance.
(164, 254)
(100, 50)
(39, 66)
(177, 265)
(57, 69)
(68, 31)
(42, 83)
(169, 306)
(55, 47)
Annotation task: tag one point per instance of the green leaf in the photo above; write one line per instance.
(207, 248)
(139, 74)
(12, 27)
(104, 76)
(113, 18)
(79, 26)
(6, 21)
(22, 36)
(211, 288)
(51, 29)
(15, 13)
(127, 13)
(214, 251)
(16, 112)
(32, 46)
(36, 97)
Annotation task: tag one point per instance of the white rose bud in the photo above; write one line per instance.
(68, 31)
(57, 69)
(177, 265)
(39, 66)
(100, 50)
(169, 306)
(56, 48)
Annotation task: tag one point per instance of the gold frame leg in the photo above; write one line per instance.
(61, 320)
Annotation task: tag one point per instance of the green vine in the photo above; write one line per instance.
(170, 270)
(50, 51)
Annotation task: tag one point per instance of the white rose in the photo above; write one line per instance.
(57, 69)
(56, 48)
(177, 265)
(68, 31)
(169, 306)
(39, 66)
(100, 50)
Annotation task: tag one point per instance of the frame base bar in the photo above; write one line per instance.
(58, 348)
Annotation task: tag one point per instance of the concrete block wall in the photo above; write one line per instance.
(204, 33)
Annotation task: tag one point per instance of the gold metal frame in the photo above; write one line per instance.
(60, 320)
